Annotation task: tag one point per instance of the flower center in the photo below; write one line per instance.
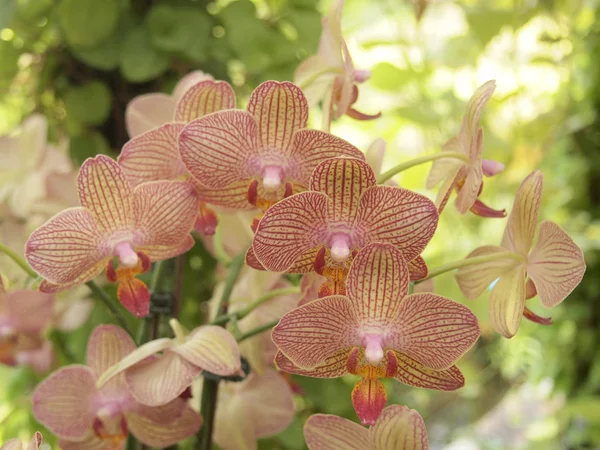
(340, 247)
(373, 348)
(126, 254)
(272, 178)
(111, 430)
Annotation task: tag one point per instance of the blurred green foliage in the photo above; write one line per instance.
(81, 61)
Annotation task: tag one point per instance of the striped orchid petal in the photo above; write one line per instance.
(555, 265)
(507, 302)
(333, 367)
(433, 330)
(108, 344)
(523, 219)
(471, 183)
(399, 217)
(105, 191)
(162, 431)
(474, 279)
(377, 281)
(234, 196)
(343, 180)
(417, 267)
(415, 374)
(399, 427)
(153, 155)
(313, 146)
(212, 348)
(290, 228)
(328, 432)
(310, 334)
(67, 249)
(204, 98)
(218, 149)
(63, 402)
(26, 311)
(369, 399)
(148, 111)
(280, 109)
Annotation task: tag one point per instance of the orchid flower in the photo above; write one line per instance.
(259, 350)
(257, 407)
(148, 111)
(26, 163)
(552, 268)
(398, 428)
(463, 172)
(24, 316)
(154, 155)
(331, 69)
(343, 211)
(16, 444)
(377, 331)
(84, 417)
(259, 156)
(155, 379)
(137, 225)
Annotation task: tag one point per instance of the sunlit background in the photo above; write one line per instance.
(539, 390)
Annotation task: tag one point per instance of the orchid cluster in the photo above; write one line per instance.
(270, 197)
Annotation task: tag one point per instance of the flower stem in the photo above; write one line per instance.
(18, 260)
(257, 330)
(469, 262)
(238, 315)
(109, 303)
(210, 388)
(420, 160)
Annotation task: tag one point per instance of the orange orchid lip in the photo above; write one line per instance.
(132, 293)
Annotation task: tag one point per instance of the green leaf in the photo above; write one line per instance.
(139, 60)
(87, 23)
(104, 57)
(9, 57)
(388, 77)
(89, 103)
(31, 9)
(87, 146)
(487, 23)
(7, 9)
(177, 28)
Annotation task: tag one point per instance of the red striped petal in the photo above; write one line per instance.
(280, 109)
(310, 334)
(329, 432)
(204, 98)
(108, 344)
(334, 367)
(218, 149)
(377, 281)
(148, 111)
(165, 213)
(433, 330)
(153, 155)
(290, 228)
(401, 428)
(344, 180)
(399, 217)
(67, 249)
(412, 373)
(555, 265)
(234, 196)
(522, 221)
(417, 268)
(134, 296)
(369, 399)
(106, 192)
(313, 146)
(161, 432)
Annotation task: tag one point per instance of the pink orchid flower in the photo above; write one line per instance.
(137, 225)
(257, 407)
(343, 211)
(24, 317)
(16, 444)
(397, 427)
(332, 70)
(259, 156)
(466, 176)
(84, 417)
(154, 155)
(377, 331)
(552, 268)
(148, 111)
(161, 370)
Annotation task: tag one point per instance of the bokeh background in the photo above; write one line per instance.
(79, 62)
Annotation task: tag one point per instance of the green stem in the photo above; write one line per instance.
(220, 253)
(156, 272)
(109, 303)
(420, 160)
(59, 341)
(316, 75)
(469, 262)
(234, 272)
(18, 260)
(238, 315)
(257, 330)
